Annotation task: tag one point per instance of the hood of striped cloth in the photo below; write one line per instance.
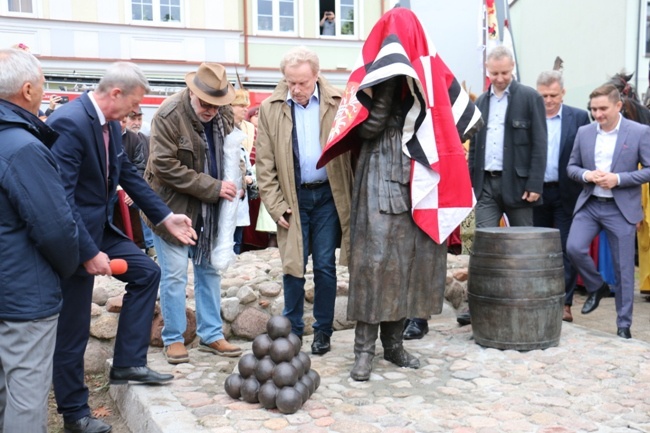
(440, 116)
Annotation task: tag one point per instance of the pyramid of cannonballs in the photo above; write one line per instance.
(277, 373)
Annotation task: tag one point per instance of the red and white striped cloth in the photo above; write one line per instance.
(439, 114)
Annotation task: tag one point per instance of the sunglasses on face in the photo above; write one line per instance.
(207, 106)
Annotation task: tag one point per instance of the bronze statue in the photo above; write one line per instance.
(396, 269)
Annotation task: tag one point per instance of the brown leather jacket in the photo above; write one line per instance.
(176, 166)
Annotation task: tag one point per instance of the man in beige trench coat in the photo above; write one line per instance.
(311, 206)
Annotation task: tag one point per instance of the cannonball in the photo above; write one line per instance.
(309, 383)
(281, 350)
(303, 390)
(288, 400)
(315, 377)
(247, 365)
(278, 326)
(300, 367)
(284, 374)
(261, 345)
(232, 385)
(264, 369)
(295, 340)
(306, 360)
(249, 390)
(267, 395)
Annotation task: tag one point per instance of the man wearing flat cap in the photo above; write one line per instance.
(185, 168)
(134, 122)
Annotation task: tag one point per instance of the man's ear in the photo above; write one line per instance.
(27, 92)
(115, 92)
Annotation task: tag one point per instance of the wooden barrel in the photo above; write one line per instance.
(516, 287)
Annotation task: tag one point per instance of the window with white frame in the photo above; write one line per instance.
(338, 18)
(276, 16)
(20, 6)
(158, 11)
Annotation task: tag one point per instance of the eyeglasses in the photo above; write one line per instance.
(207, 106)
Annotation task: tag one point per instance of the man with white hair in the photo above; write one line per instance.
(311, 206)
(38, 246)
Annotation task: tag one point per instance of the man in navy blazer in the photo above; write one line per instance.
(92, 161)
(605, 159)
(560, 193)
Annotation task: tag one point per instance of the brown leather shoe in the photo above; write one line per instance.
(221, 347)
(567, 316)
(176, 353)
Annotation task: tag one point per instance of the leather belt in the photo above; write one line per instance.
(493, 173)
(314, 185)
(603, 199)
(551, 184)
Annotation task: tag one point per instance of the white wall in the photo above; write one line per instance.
(454, 27)
(595, 38)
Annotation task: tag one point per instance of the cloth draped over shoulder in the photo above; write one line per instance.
(438, 116)
(223, 255)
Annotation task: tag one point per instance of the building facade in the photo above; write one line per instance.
(76, 40)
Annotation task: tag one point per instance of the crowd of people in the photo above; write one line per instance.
(535, 162)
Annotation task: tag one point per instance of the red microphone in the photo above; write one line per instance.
(118, 266)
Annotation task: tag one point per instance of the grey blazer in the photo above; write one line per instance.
(632, 148)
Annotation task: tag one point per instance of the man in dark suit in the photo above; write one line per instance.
(93, 163)
(605, 159)
(560, 193)
(508, 157)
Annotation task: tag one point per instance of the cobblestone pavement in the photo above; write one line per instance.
(592, 382)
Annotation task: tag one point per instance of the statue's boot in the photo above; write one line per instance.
(365, 335)
(391, 338)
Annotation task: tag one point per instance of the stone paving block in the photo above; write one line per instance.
(592, 382)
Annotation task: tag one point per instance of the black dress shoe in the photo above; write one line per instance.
(464, 319)
(624, 332)
(594, 299)
(415, 329)
(87, 424)
(122, 375)
(321, 344)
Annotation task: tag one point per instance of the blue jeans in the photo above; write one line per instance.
(207, 293)
(239, 236)
(147, 234)
(321, 231)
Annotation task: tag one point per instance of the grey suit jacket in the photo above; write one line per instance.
(632, 148)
